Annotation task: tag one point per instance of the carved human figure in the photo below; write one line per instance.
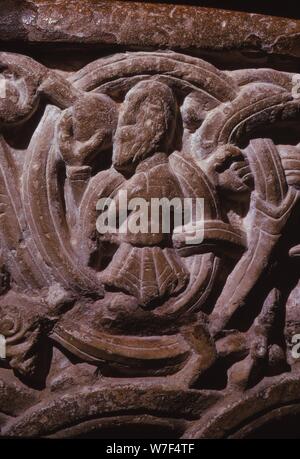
(149, 308)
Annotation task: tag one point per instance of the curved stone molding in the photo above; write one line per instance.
(187, 335)
(152, 25)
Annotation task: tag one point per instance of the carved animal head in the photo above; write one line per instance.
(86, 128)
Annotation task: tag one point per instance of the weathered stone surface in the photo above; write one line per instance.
(145, 24)
(107, 330)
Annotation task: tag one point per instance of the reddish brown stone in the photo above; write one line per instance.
(146, 24)
(148, 331)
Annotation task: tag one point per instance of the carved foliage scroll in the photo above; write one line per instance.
(145, 315)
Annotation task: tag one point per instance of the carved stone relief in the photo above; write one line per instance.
(110, 330)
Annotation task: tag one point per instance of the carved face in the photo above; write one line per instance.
(146, 124)
(86, 128)
(157, 125)
(229, 169)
